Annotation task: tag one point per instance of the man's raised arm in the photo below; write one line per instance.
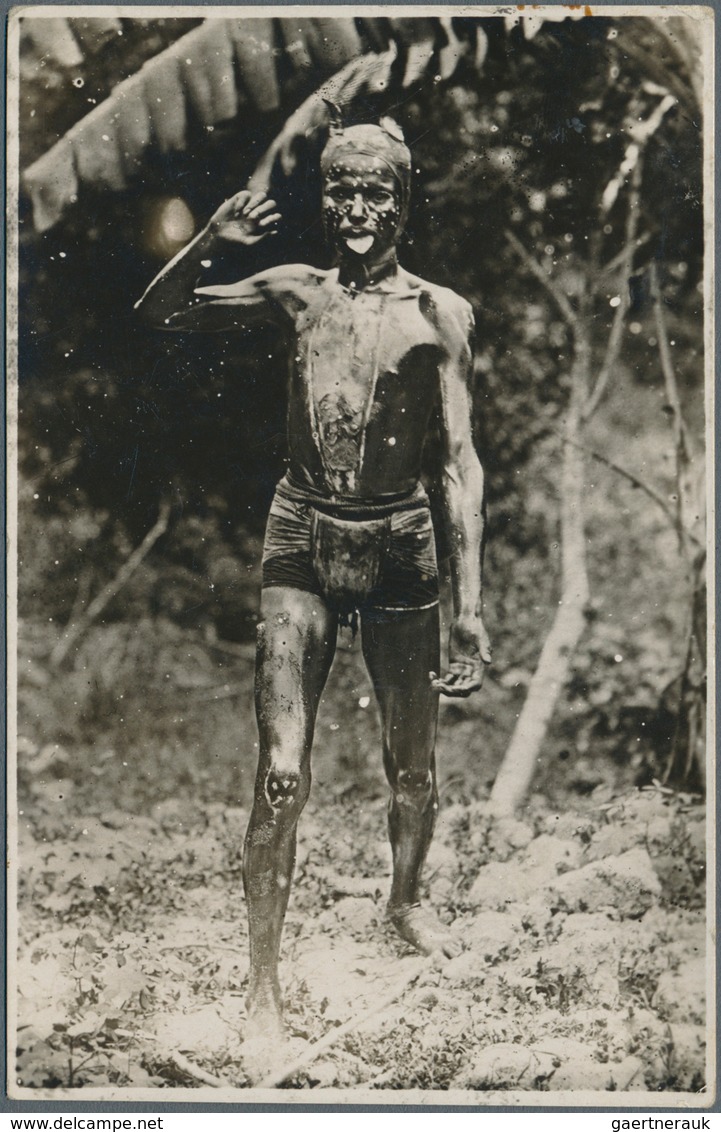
(462, 482)
(176, 299)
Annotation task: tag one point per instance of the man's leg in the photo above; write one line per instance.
(400, 650)
(296, 643)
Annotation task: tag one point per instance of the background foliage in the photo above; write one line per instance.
(116, 419)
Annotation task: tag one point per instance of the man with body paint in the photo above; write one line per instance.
(373, 351)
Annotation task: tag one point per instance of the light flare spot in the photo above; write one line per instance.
(169, 226)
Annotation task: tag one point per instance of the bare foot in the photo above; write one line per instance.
(263, 1048)
(423, 930)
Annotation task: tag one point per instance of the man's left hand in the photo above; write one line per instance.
(469, 650)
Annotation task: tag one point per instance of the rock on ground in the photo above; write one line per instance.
(626, 884)
(490, 934)
(500, 883)
(554, 1064)
(505, 1065)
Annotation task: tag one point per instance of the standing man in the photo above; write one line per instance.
(372, 350)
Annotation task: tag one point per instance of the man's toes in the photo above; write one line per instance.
(421, 928)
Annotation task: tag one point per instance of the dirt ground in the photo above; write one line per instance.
(583, 933)
(582, 922)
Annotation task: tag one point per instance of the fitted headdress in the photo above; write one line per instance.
(383, 142)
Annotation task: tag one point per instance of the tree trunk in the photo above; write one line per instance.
(519, 763)
(686, 764)
(685, 767)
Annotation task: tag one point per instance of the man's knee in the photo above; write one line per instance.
(413, 786)
(286, 791)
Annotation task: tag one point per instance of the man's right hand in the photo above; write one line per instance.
(245, 218)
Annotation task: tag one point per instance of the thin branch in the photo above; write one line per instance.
(663, 75)
(82, 594)
(635, 480)
(633, 165)
(544, 279)
(684, 40)
(615, 337)
(640, 134)
(177, 1059)
(615, 263)
(195, 1071)
(114, 586)
(333, 1036)
(192, 946)
(684, 444)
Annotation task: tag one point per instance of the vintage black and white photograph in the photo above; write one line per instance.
(360, 387)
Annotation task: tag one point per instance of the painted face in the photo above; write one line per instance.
(361, 208)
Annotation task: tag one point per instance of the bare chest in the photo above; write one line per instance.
(349, 344)
(363, 363)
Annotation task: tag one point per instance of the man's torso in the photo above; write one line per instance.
(364, 379)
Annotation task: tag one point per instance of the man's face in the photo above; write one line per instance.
(361, 208)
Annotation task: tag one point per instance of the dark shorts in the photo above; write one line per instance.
(408, 578)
